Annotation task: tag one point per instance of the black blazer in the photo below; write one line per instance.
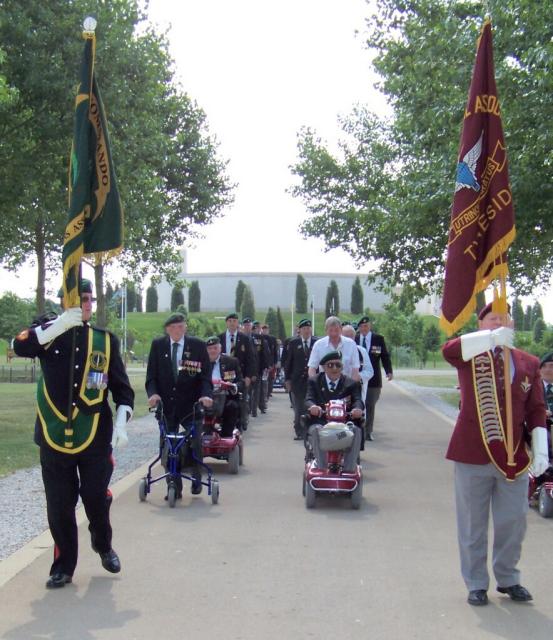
(295, 368)
(179, 397)
(243, 352)
(230, 371)
(319, 394)
(378, 353)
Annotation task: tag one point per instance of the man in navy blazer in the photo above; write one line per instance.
(179, 374)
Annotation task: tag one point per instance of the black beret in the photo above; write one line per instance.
(548, 357)
(232, 316)
(304, 323)
(346, 323)
(488, 308)
(331, 355)
(212, 340)
(364, 320)
(175, 318)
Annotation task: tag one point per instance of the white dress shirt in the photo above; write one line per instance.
(348, 347)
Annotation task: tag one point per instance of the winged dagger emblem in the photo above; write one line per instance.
(466, 169)
(525, 385)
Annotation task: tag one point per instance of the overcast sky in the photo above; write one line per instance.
(261, 71)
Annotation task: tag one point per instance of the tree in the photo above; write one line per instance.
(15, 315)
(239, 295)
(109, 293)
(301, 294)
(356, 297)
(528, 318)
(281, 329)
(247, 310)
(131, 296)
(538, 330)
(151, 299)
(517, 312)
(537, 312)
(332, 304)
(386, 194)
(194, 296)
(169, 181)
(271, 320)
(432, 340)
(177, 297)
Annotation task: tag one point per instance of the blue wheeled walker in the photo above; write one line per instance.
(176, 450)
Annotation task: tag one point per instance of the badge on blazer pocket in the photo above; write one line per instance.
(525, 385)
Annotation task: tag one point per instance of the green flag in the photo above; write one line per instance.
(95, 221)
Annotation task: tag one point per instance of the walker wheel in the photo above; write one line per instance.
(143, 490)
(240, 454)
(234, 460)
(214, 491)
(171, 495)
(545, 503)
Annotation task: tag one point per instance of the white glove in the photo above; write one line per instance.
(540, 462)
(503, 337)
(71, 318)
(120, 438)
(476, 342)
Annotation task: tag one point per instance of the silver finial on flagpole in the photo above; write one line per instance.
(89, 24)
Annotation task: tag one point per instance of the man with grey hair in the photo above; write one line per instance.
(335, 341)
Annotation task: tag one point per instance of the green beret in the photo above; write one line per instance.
(175, 318)
(212, 340)
(331, 355)
(86, 287)
(246, 320)
(548, 357)
(364, 320)
(304, 323)
(232, 316)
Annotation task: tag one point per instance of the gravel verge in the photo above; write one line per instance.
(22, 502)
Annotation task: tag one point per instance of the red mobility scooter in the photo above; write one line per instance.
(335, 438)
(230, 449)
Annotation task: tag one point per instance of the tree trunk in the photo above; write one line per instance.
(101, 311)
(41, 268)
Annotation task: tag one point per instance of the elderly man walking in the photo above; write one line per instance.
(335, 341)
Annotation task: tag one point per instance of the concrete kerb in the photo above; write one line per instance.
(432, 410)
(22, 558)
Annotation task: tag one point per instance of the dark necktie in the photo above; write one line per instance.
(174, 362)
(305, 347)
(232, 344)
(364, 345)
(332, 386)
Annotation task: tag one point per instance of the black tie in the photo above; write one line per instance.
(332, 386)
(174, 362)
(305, 347)
(232, 344)
(364, 345)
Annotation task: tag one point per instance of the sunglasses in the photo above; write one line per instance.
(334, 365)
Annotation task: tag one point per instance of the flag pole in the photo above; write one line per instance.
(507, 377)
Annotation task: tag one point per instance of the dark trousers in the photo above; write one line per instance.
(230, 418)
(65, 477)
(263, 395)
(245, 408)
(255, 390)
(373, 393)
(298, 401)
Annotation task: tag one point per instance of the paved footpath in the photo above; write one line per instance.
(260, 566)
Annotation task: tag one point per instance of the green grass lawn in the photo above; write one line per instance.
(443, 382)
(452, 398)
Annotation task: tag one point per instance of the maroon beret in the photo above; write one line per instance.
(487, 309)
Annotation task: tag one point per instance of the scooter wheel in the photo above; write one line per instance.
(234, 461)
(303, 484)
(143, 490)
(357, 495)
(310, 496)
(545, 503)
(240, 454)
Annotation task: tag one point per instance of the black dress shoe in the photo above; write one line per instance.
(478, 598)
(298, 437)
(58, 580)
(110, 561)
(369, 437)
(516, 593)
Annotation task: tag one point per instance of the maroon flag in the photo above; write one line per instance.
(482, 217)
